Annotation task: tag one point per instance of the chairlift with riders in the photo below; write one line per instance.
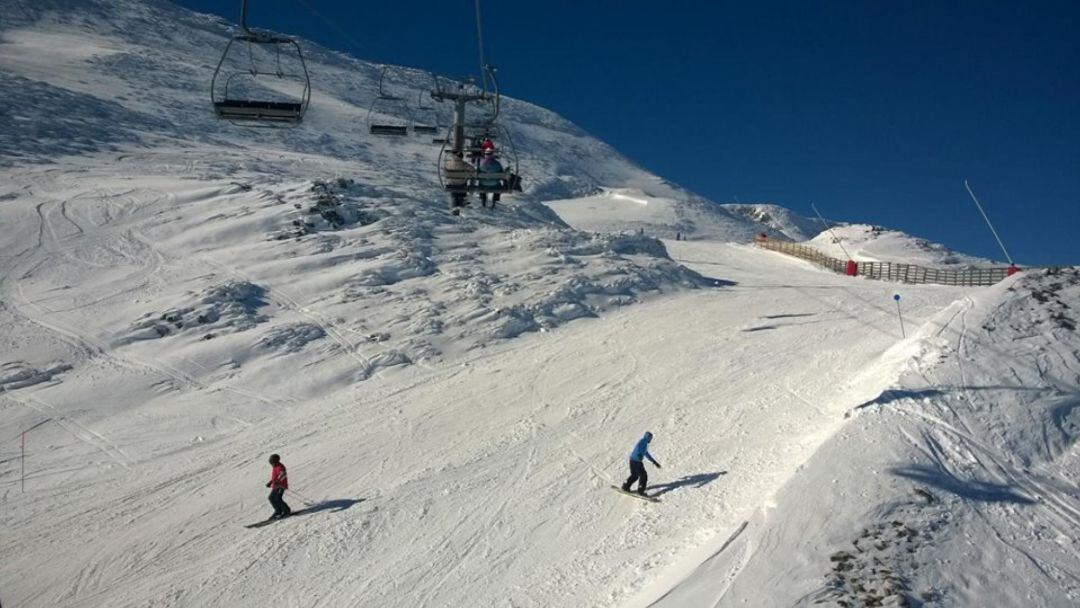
(469, 140)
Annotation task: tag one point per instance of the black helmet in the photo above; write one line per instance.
(274, 459)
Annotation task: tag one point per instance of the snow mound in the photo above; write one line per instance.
(499, 286)
(652, 212)
(20, 374)
(868, 574)
(866, 243)
(337, 204)
(229, 307)
(290, 337)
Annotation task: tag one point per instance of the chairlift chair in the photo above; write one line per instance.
(461, 178)
(377, 113)
(427, 121)
(472, 180)
(244, 97)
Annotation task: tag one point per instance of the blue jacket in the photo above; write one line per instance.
(489, 164)
(641, 450)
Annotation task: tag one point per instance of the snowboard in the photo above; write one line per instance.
(268, 521)
(635, 494)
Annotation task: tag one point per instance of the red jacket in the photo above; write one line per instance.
(278, 477)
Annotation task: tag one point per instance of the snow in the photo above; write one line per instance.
(965, 486)
(865, 243)
(638, 210)
(454, 395)
(779, 220)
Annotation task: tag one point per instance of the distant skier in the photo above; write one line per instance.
(490, 164)
(637, 466)
(279, 482)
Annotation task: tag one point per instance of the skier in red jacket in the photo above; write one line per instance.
(279, 482)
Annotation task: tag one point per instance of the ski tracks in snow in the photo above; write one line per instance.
(120, 244)
(957, 448)
(76, 429)
(291, 303)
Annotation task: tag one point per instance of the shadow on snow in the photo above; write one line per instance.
(338, 505)
(697, 481)
(982, 491)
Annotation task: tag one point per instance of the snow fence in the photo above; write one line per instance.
(888, 271)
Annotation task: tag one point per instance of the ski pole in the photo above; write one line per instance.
(307, 502)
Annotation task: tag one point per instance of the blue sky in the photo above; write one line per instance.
(874, 111)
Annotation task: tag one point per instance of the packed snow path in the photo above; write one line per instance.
(483, 481)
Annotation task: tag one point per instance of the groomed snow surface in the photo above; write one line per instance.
(454, 396)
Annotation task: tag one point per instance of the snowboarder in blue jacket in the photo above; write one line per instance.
(637, 465)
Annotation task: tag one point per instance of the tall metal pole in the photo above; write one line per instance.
(994, 232)
(243, 16)
(827, 226)
(459, 125)
(460, 98)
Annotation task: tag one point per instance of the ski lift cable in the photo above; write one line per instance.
(480, 43)
(384, 68)
(334, 26)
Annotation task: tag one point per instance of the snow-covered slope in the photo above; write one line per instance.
(125, 86)
(865, 243)
(778, 220)
(179, 298)
(634, 210)
(91, 75)
(955, 486)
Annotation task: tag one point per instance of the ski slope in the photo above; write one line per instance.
(955, 486)
(486, 479)
(455, 395)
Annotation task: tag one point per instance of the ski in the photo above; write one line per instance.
(271, 520)
(260, 524)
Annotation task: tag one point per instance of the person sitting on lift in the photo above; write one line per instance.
(457, 173)
(490, 164)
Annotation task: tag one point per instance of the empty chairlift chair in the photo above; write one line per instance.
(259, 97)
(380, 116)
(427, 119)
